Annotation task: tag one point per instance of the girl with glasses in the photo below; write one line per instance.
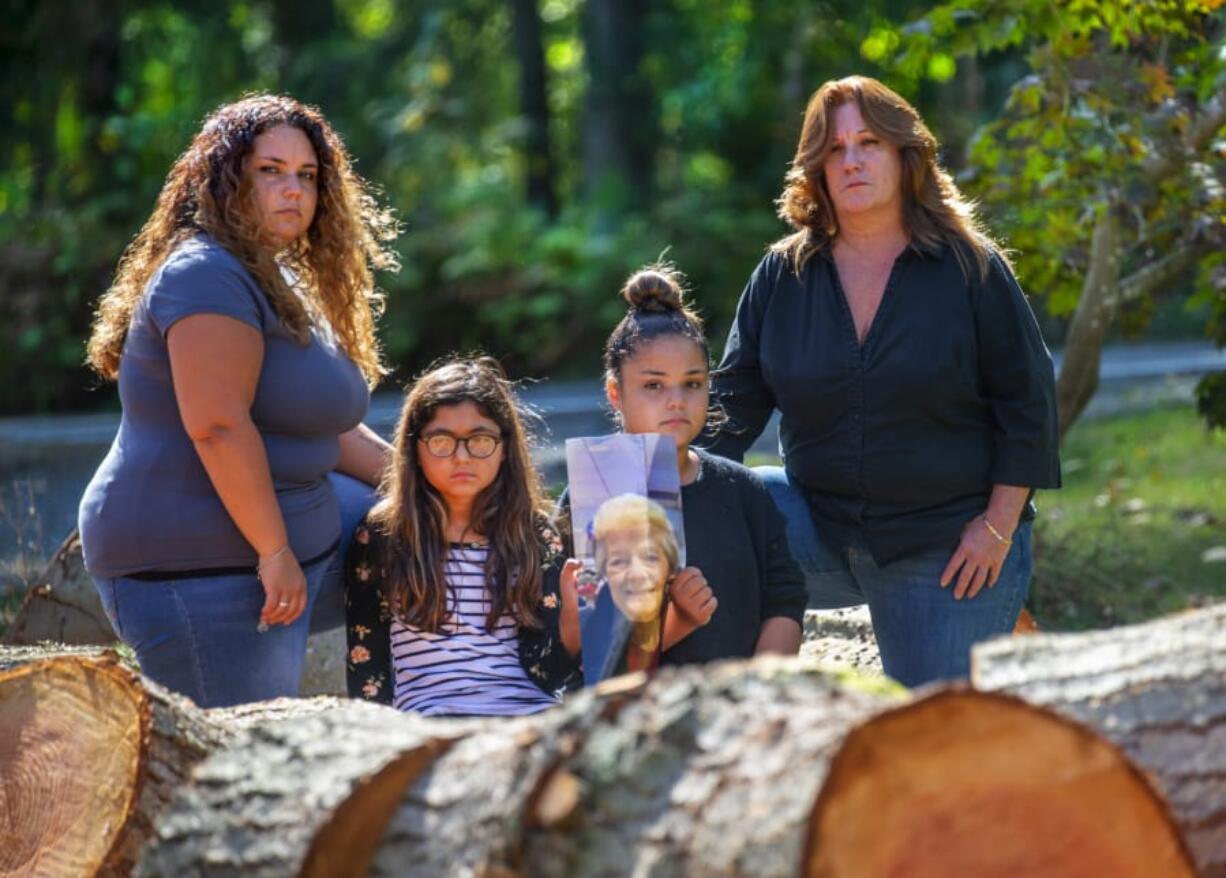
(454, 573)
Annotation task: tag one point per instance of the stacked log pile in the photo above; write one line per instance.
(763, 768)
(1099, 754)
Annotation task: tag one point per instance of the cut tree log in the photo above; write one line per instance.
(966, 783)
(306, 790)
(762, 768)
(89, 756)
(768, 770)
(1157, 690)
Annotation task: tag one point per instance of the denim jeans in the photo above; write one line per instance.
(199, 636)
(924, 634)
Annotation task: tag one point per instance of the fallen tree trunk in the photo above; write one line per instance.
(1158, 690)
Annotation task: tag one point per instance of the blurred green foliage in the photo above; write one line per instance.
(99, 97)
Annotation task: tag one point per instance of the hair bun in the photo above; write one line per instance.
(655, 288)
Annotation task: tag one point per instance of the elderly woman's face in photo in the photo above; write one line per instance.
(637, 570)
(863, 171)
(283, 172)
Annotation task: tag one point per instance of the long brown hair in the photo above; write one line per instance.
(510, 512)
(935, 213)
(207, 191)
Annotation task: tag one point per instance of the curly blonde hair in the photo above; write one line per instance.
(935, 213)
(326, 270)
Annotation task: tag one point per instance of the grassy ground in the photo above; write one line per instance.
(1132, 534)
(1139, 528)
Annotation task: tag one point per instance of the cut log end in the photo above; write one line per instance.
(346, 845)
(72, 739)
(1038, 796)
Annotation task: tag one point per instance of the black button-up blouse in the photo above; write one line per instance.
(896, 442)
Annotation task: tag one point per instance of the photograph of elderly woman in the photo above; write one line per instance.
(625, 495)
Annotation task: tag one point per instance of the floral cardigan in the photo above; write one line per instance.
(368, 621)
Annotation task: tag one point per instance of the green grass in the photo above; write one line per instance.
(1144, 499)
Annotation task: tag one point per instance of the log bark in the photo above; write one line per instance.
(90, 754)
(465, 815)
(307, 789)
(1158, 690)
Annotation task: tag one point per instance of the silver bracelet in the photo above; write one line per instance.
(277, 554)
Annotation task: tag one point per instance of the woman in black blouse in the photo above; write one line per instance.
(916, 393)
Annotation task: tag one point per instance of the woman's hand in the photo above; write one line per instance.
(568, 614)
(979, 556)
(692, 598)
(285, 591)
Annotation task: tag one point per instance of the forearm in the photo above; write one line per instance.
(1005, 507)
(364, 455)
(237, 465)
(780, 635)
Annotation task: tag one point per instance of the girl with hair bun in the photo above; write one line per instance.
(742, 593)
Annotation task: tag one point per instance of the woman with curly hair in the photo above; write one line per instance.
(240, 329)
(916, 393)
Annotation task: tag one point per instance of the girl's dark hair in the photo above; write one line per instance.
(510, 511)
(656, 295)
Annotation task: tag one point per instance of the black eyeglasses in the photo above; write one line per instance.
(478, 445)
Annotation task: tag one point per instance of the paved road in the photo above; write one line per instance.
(55, 455)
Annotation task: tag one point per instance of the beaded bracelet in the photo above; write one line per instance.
(1000, 538)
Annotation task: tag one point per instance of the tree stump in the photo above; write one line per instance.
(89, 756)
(1157, 690)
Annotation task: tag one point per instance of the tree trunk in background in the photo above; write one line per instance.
(534, 105)
(1157, 690)
(620, 128)
(1083, 345)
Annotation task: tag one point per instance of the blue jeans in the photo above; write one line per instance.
(923, 633)
(198, 636)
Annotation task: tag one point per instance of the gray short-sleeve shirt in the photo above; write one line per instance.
(151, 505)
